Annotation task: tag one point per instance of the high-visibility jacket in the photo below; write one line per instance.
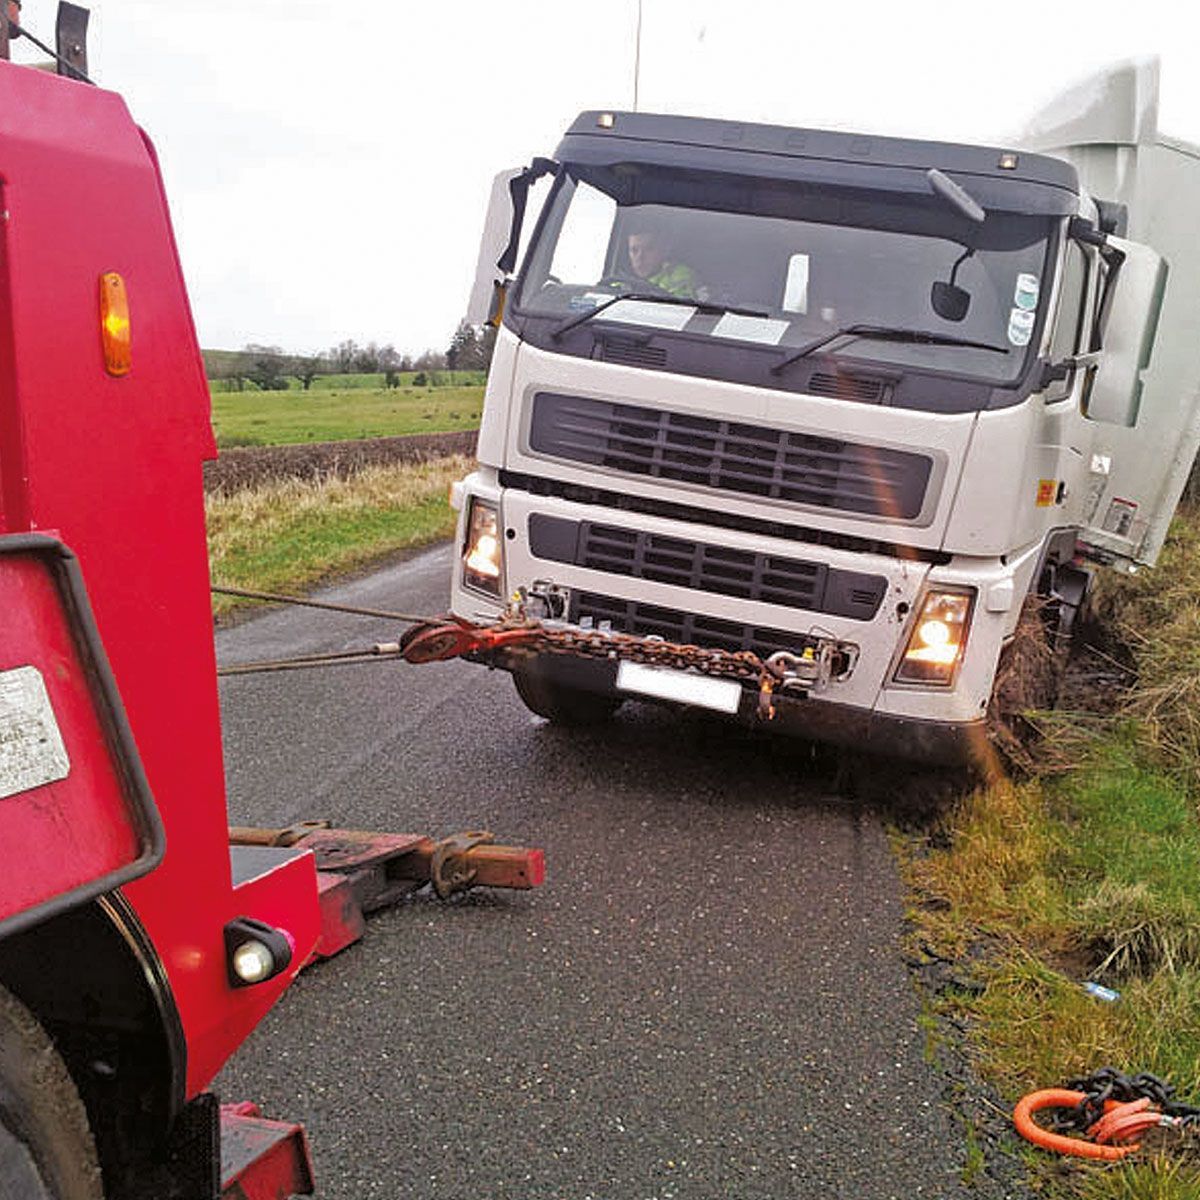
(676, 278)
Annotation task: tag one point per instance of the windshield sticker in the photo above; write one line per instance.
(764, 330)
(1020, 326)
(649, 312)
(1027, 290)
(587, 301)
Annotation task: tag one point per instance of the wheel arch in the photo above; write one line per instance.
(92, 978)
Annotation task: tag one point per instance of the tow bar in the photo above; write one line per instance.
(360, 872)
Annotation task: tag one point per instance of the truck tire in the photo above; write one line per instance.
(563, 705)
(46, 1147)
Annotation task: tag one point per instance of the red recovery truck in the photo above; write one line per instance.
(137, 948)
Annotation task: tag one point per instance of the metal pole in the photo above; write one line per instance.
(637, 56)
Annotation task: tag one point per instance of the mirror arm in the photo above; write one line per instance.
(1057, 372)
(519, 190)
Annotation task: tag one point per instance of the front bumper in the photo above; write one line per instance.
(935, 742)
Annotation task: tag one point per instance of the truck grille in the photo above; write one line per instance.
(731, 456)
(688, 629)
(768, 578)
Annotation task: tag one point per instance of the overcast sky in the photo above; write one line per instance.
(328, 164)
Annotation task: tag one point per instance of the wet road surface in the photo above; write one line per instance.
(706, 999)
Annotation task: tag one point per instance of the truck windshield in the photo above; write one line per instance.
(785, 268)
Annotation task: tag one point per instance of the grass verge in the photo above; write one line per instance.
(288, 535)
(1088, 872)
(337, 415)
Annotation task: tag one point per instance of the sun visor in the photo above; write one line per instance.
(995, 193)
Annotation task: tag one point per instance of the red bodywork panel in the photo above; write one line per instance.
(69, 775)
(114, 466)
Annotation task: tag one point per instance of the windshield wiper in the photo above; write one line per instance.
(885, 333)
(701, 306)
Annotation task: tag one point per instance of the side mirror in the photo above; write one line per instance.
(1128, 326)
(949, 301)
(501, 237)
(497, 232)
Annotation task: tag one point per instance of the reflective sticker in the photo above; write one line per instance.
(1119, 517)
(1026, 294)
(1020, 326)
(31, 747)
(1045, 493)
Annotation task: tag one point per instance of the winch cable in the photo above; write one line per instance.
(380, 652)
(357, 609)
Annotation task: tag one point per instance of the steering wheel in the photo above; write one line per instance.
(630, 283)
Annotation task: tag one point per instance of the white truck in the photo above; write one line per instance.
(841, 401)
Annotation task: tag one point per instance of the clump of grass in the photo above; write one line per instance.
(1131, 863)
(1157, 614)
(1043, 1029)
(287, 535)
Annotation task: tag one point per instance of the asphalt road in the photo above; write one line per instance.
(706, 999)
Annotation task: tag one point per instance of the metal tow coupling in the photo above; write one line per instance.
(453, 637)
(450, 870)
(359, 872)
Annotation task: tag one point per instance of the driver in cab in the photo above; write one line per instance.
(650, 259)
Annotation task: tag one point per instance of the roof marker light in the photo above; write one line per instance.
(606, 120)
(1008, 162)
(114, 324)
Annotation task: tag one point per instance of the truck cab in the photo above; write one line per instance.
(842, 402)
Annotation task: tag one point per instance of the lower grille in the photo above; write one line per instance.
(767, 578)
(689, 629)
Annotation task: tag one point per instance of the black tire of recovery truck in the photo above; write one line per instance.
(46, 1146)
(561, 704)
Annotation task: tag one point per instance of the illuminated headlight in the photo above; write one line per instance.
(938, 639)
(483, 557)
(255, 951)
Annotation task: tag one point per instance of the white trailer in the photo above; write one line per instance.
(843, 400)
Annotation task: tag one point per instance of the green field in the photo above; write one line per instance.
(335, 414)
(289, 535)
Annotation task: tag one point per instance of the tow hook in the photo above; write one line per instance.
(452, 637)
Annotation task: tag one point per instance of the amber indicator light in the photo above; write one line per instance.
(114, 324)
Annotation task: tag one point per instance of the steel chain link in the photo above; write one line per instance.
(743, 665)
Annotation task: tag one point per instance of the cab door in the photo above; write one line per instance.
(1142, 402)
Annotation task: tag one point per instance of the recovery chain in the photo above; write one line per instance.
(1098, 1115)
(438, 639)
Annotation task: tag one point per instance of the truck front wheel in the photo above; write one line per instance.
(561, 704)
(46, 1146)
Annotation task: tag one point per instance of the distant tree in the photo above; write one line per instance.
(419, 379)
(343, 356)
(233, 372)
(390, 364)
(306, 367)
(471, 348)
(431, 360)
(366, 361)
(267, 365)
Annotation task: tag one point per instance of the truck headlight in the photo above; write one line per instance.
(483, 557)
(938, 639)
